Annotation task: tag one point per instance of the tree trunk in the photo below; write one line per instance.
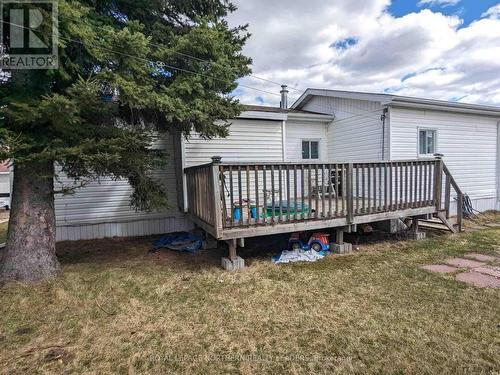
(30, 253)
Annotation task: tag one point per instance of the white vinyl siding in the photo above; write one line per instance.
(5, 182)
(468, 142)
(108, 201)
(248, 140)
(298, 131)
(356, 133)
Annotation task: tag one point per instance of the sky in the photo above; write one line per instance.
(442, 49)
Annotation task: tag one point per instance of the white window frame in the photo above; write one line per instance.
(435, 142)
(311, 140)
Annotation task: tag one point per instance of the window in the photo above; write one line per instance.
(310, 149)
(427, 142)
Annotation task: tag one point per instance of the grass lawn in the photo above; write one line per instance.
(118, 308)
(3, 231)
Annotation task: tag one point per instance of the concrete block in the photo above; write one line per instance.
(415, 235)
(344, 248)
(232, 265)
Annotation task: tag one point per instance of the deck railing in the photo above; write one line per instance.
(233, 195)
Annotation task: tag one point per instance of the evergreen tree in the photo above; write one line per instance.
(126, 74)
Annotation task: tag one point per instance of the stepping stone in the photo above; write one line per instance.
(489, 270)
(439, 268)
(478, 279)
(464, 263)
(480, 257)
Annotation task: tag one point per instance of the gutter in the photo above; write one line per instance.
(310, 117)
(258, 115)
(448, 107)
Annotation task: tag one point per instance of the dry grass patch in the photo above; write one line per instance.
(3, 231)
(118, 308)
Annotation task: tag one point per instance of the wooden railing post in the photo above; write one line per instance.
(447, 195)
(217, 197)
(438, 181)
(460, 205)
(349, 193)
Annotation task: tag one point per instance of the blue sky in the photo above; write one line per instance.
(468, 10)
(442, 49)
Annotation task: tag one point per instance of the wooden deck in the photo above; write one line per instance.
(237, 200)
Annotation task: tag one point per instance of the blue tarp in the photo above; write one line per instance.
(183, 242)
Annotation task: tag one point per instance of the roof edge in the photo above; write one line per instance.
(401, 101)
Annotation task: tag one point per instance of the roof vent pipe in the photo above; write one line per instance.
(284, 97)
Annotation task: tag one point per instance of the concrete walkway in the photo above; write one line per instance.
(473, 268)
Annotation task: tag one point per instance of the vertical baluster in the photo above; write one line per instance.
(430, 199)
(240, 196)
(343, 188)
(391, 185)
(287, 192)
(337, 192)
(356, 180)
(280, 179)
(316, 174)
(380, 186)
(376, 184)
(447, 191)
(420, 184)
(256, 168)
(295, 203)
(424, 200)
(401, 185)
(249, 214)
(231, 194)
(396, 185)
(369, 197)
(323, 204)
(264, 189)
(386, 188)
(302, 199)
(309, 191)
(410, 184)
(330, 191)
(405, 200)
(273, 218)
(363, 189)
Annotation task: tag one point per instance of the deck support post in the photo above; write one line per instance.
(340, 247)
(414, 232)
(233, 262)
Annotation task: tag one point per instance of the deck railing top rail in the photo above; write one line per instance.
(312, 162)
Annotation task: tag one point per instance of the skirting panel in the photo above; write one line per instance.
(143, 227)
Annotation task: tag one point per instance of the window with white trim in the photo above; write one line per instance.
(427, 139)
(310, 149)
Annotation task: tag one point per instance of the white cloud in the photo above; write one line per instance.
(493, 12)
(443, 3)
(422, 54)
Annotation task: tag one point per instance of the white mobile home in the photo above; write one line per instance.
(322, 135)
(389, 127)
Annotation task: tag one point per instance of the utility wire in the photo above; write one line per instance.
(364, 113)
(197, 58)
(158, 63)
